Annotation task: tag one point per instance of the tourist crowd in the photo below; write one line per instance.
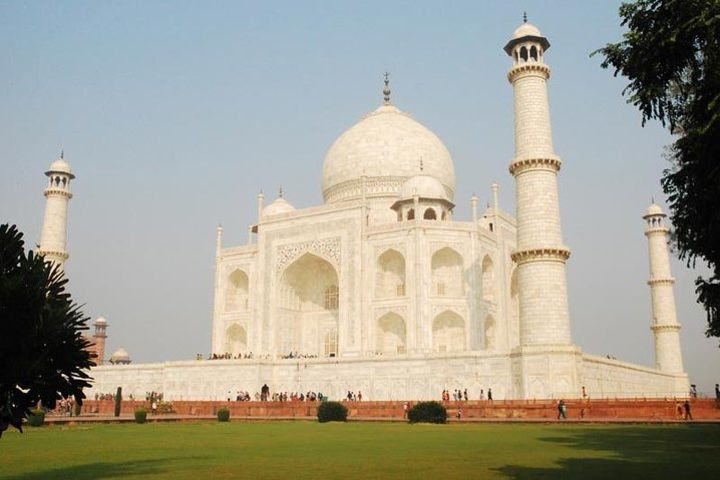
(297, 355)
(250, 355)
(65, 406)
(230, 356)
(459, 395)
(244, 396)
(106, 396)
(352, 397)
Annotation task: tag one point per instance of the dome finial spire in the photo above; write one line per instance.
(524, 17)
(422, 167)
(280, 192)
(386, 90)
(62, 153)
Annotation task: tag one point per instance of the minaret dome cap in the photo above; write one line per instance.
(527, 32)
(654, 210)
(60, 166)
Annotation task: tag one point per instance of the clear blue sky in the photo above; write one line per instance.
(174, 114)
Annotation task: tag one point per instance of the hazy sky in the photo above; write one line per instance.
(174, 114)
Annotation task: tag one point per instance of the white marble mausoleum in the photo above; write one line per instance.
(381, 289)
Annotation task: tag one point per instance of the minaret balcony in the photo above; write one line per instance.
(520, 165)
(528, 69)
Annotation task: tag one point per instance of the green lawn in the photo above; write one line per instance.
(306, 450)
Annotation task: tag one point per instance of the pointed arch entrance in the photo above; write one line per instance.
(309, 299)
(235, 340)
(391, 335)
(448, 332)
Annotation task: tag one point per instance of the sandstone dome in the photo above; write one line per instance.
(424, 186)
(388, 146)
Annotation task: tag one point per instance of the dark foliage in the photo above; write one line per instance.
(36, 417)
(43, 355)
(140, 415)
(427, 412)
(118, 401)
(332, 412)
(671, 55)
(223, 415)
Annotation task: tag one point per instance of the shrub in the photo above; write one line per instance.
(427, 412)
(165, 407)
(140, 415)
(332, 412)
(36, 417)
(118, 401)
(223, 415)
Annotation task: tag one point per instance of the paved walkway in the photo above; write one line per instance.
(53, 419)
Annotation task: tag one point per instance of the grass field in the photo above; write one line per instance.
(306, 450)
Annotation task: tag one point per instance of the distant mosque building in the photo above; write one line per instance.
(381, 289)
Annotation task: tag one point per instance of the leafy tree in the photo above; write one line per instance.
(671, 55)
(42, 351)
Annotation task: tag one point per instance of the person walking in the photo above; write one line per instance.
(490, 394)
(717, 392)
(686, 408)
(406, 407)
(562, 410)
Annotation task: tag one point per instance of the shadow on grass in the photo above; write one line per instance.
(677, 452)
(99, 470)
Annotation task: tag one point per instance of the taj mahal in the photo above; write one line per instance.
(382, 289)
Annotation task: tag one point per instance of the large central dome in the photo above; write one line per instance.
(387, 146)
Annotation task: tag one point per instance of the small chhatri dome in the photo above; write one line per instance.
(278, 207)
(424, 186)
(100, 321)
(120, 356)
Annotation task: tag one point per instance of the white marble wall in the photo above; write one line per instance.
(412, 377)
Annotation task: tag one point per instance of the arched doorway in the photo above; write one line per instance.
(391, 334)
(488, 280)
(490, 333)
(448, 332)
(235, 340)
(390, 276)
(447, 273)
(309, 303)
(236, 292)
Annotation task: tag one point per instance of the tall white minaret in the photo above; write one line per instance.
(540, 253)
(53, 239)
(668, 355)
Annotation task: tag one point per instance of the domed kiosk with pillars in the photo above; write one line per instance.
(382, 289)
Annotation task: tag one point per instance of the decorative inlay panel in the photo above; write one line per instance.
(328, 248)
